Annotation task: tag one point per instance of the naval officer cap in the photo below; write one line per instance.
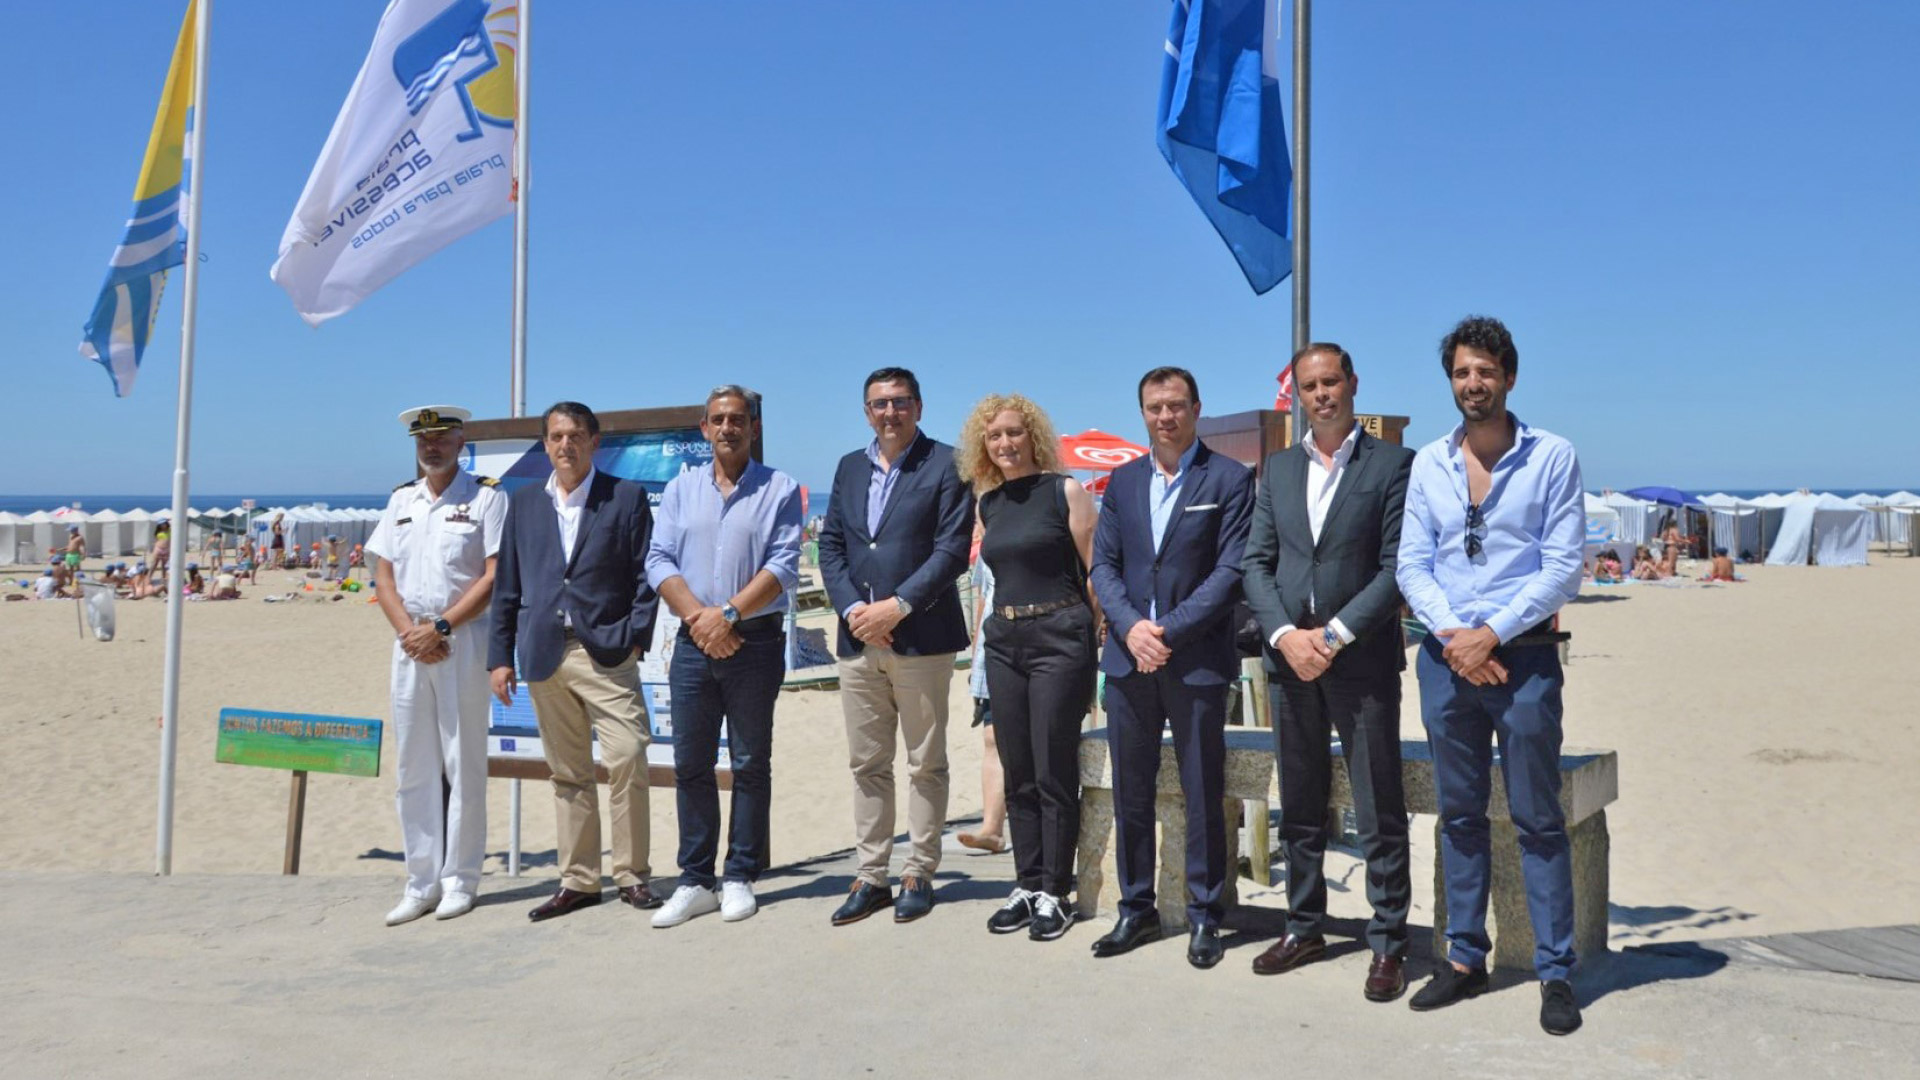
(428, 419)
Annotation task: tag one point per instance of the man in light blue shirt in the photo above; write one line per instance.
(1490, 548)
(725, 555)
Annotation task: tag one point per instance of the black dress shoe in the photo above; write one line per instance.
(640, 896)
(564, 902)
(862, 900)
(916, 899)
(1131, 932)
(1447, 987)
(1203, 949)
(1559, 1012)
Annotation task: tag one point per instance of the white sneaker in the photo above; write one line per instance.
(411, 908)
(454, 905)
(686, 902)
(736, 901)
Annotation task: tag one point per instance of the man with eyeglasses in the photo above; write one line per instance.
(898, 527)
(1490, 549)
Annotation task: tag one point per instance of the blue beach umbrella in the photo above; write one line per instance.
(1665, 496)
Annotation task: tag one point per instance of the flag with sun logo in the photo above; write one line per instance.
(155, 240)
(420, 155)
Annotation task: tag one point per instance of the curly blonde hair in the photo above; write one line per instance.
(970, 456)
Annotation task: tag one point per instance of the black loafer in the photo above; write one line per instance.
(862, 900)
(1131, 932)
(1204, 949)
(916, 899)
(1448, 986)
(1559, 1012)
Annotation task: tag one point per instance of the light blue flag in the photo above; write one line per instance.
(155, 240)
(1221, 128)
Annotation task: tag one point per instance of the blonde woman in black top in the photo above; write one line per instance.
(1037, 538)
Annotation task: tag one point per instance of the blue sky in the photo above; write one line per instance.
(1699, 221)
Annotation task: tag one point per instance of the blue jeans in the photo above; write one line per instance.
(741, 690)
(1462, 721)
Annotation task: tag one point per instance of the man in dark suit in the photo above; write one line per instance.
(571, 598)
(1166, 569)
(1320, 563)
(898, 526)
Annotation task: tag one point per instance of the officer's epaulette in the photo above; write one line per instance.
(409, 483)
(487, 481)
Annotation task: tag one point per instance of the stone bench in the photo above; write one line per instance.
(1589, 780)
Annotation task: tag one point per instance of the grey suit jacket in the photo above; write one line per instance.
(1348, 573)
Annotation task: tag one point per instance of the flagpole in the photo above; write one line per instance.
(517, 395)
(177, 525)
(1302, 83)
(517, 403)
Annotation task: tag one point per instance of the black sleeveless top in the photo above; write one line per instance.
(1027, 544)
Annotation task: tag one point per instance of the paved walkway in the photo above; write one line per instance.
(130, 975)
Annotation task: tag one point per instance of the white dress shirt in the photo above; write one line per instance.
(1323, 479)
(567, 508)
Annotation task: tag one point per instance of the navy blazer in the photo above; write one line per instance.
(918, 552)
(1195, 577)
(603, 587)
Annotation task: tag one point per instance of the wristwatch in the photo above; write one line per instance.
(1334, 644)
(444, 627)
(730, 613)
(906, 609)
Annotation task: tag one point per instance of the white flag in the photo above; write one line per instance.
(420, 155)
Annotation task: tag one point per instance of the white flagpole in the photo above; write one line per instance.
(177, 526)
(1302, 116)
(518, 395)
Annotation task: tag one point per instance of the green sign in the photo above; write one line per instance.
(284, 740)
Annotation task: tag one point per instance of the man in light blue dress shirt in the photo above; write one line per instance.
(1490, 548)
(725, 556)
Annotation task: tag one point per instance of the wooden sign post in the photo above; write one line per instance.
(303, 743)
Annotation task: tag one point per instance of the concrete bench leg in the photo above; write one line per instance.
(1507, 921)
(1095, 856)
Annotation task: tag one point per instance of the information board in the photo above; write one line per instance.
(347, 745)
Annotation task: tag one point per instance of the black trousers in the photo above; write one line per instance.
(1139, 708)
(1040, 674)
(1365, 712)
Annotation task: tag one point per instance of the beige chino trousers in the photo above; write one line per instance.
(583, 700)
(883, 693)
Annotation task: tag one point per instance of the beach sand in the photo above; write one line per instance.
(1767, 737)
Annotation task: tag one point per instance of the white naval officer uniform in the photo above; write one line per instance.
(438, 548)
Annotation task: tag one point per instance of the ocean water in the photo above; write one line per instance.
(120, 504)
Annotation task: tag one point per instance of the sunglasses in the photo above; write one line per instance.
(1476, 525)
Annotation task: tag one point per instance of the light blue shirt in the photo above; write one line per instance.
(718, 543)
(977, 674)
(1531, 540)
(881, 481)
(1163, 492)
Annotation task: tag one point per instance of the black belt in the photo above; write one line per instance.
(1033, 611)
(1541, 633)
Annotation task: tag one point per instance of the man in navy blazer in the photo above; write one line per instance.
(571, 600)
(898, 526)
(1166, 569)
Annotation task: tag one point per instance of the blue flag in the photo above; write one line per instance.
(1221, 128)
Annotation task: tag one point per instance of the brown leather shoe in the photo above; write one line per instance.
(640, 896)
(1386, 978)
(1288, 953)
(564, 902)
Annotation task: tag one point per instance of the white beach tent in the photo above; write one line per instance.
(1740, 525)
(1890, 526)
(1639, 519)
(112, 540)
(38, 529)
(1823, 529)
(136, 531)
(10, 537)
(1603, 521)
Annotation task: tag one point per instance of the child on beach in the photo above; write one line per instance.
(333, 558)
